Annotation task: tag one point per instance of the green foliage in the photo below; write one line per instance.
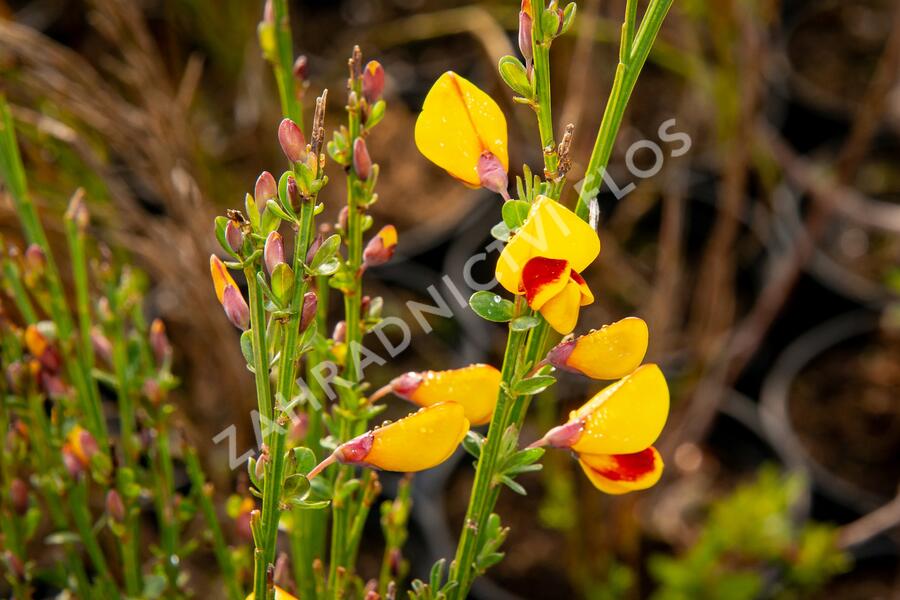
(746, 536)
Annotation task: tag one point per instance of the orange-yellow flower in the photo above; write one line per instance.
(220, 276)
(280, 594)
(414, 443)
(613, 432)
(611, 352)
(229, 295)
(544, 259)
(459, 127)
(381, 248)
(474, 387)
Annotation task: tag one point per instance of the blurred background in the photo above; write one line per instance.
(764, 255)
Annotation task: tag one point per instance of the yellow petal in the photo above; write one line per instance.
(421, 440)
(611, 352)
(587, 296)
(220, 276)
(623, 473)
(457, 123)
(73, 440)
(35, 341)
(551, 231)
(474, 387)
(388, 235)
(624, 417)
(280, 594)
(561, 311)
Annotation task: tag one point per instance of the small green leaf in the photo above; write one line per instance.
(568, 17)
(500, 232)
(247, 346)
(492, 307)
(276, 208)
(472, 443)
(252, 210)
(524, 323)
(295, 486)
(513, 485)
(533, 385)
(513, 72)
(326, 251)
(515, 212)
(221, 223)
(305, 459)
(270, 222)
(376, 114)
(282, 282)
(329, 267)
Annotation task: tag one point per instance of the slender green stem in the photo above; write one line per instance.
(85, 526)
(20, 296)
(543, 105)
(203, 493)
(628, 28)
(165, 482)
(462, 571)
(623, 83)
(284, 69)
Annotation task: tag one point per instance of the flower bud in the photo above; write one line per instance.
(115, 508)
(17, 377)
(293, 193)
(314, 247)
(373, 81)
(301, 69)
(525, 44)
(102, 346)
(220, 276)
(35, 260)
(492, 175)
(234, 236)
(153, 391)
(269, 12)
(77, 211)
(18, 496)
(73, 465)
(308, 312)
(159, 342)
(273, 252)
(53, 386)
(266, 188)
(292, 141)
(260, 468)
(39, 347)
(362, 162)
(343, 217)
(381, 248)
(236, 308)
(14, 565)
(339, 335)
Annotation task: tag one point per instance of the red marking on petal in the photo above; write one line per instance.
(629, 467)
(540, 272)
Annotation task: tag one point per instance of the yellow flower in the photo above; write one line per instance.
(280, 594)
(220, 276)
(610, 352)
(622, 473)
(474, 387)
(414, 443)
(459, 126)
(544, 259)
(381, 248)
(612, 432)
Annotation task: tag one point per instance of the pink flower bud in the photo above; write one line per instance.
(301, 68)
(381, 248)
(115, 508)
(308, 312)
(406, 384)
(77, 211)
(53, 386)
(269, 12)
(72, 463)
(153, 391)
(492, 174)
(14, 565)
(292, 141)
(236, 308)
(273, 252)
(362, 162)
(35, 259)
(373, 81)
(525, 46)
(159, 342)
(293, 193)
(343, 216)
(18, 496)
(356, 450)
(234, 236)
(340, 332)
(88, 444)
(266, 188)
(314, 247)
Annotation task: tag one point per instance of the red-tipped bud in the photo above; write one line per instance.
(259, 470)
(562, 436)
(293, 193)
(492, 174)
(381, 248)
(18, 496)
(356, 450)
(269, 12)
(115, 508)
(525, 46)
(340, 332)
(35, 259)
(266, 188)
(102, 346)
(308, 312)
(292, 141)
(406, 384)
(273, 252)
(373, 81)
(362, 162)
(236, 308)
(301, 68)
(159, 342)
(314, 247)
(234, 236)
(72, 463)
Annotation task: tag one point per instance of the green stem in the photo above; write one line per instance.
(284, 69)
(85, 526)
(626, 76)
(203, 495)
(462, 571)
(20, 296)
(543, 107)
(165, 507)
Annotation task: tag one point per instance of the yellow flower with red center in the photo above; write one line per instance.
(544, 260)
(613, 432)
(610, 352)
(462, 130)
(474, 387)
(414, 443)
